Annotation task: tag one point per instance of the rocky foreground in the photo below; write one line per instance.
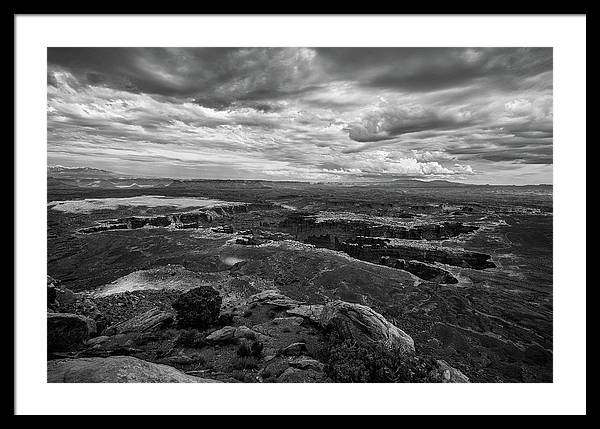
(188, 336)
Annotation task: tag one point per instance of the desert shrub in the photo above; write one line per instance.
(164, 334)
(243, 376)
(244, 362)
(349, 362)
(225, 319)
(144, 338)
(250, 336)
(267, 373)
(243, 350)
(256, 349)
(198, 308)
(253, 349)
(190, 338)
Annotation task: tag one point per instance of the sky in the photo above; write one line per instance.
(474, 115)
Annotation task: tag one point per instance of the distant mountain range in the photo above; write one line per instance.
(98, 178)
(79, 172)
(88, 177)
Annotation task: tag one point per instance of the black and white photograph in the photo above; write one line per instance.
(306, 215)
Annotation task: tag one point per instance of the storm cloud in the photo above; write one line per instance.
(481, 115)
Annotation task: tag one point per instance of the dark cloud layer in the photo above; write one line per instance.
(472, 114)
(427, 69)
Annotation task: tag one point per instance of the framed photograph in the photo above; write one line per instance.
(300, 214)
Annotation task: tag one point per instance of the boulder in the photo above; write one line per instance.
(444, 373)
(103, 320)
(67, 331)
(247, 333)
(51, 295)
(52, 281)
(248, 241)
(310, 312)
(306, 363)
(198, 308)
(230, 333)
(223, 335)
(365, 326)
(274, 368)
(154, 318)
(66, 297)
(273, 297)
(294, 349)
(116, 369)
(295, 375)
(97, 340)
(113, 345)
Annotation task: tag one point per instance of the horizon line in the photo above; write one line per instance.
(300, 180)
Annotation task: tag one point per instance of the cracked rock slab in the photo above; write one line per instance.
(294, 349)
(230, 333)
(310, 312)
(151, 319)
(273, 297)
(116, 369)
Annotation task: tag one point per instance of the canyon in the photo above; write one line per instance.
(468, 279)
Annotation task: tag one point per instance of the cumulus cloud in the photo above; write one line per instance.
(303, 113)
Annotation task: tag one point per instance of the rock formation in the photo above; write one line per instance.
(66, 330)
(364, 325)
(115, 369)
(266, 337)
(444, 373)
(152, 319)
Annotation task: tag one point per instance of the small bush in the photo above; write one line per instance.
(165, 334)
(198, 308)
(244, 362)
(256, 349)
(225, 319)
(267, 373)
(199, 362)
(253, 349)
(349, 362)
(250, 336)
(243, 350)
(190, 338)
(243, 376)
